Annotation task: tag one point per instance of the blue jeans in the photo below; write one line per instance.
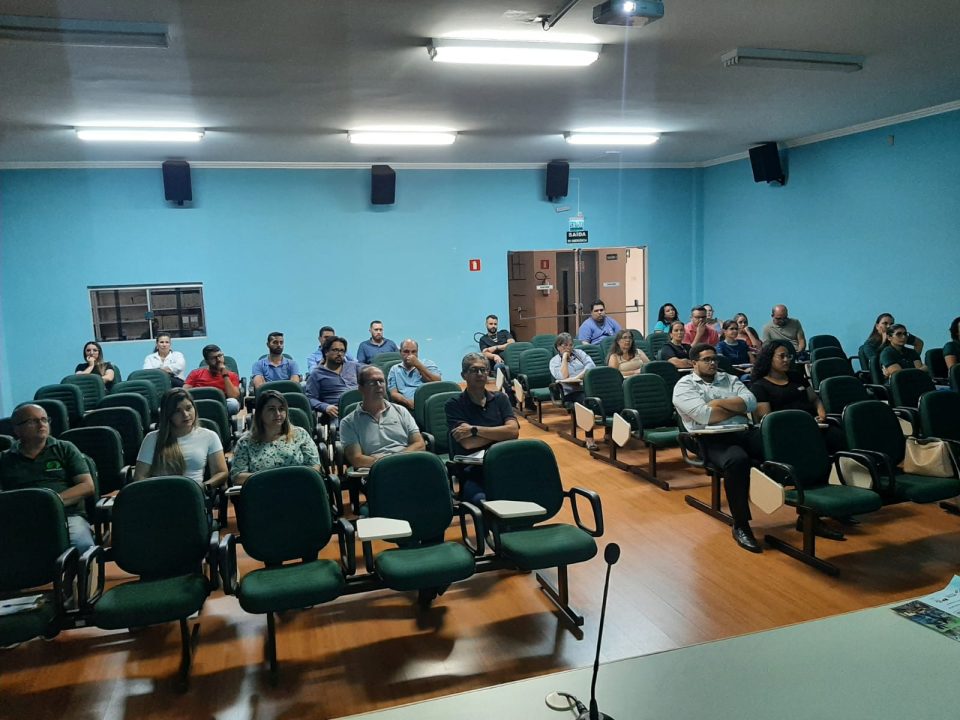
(79, 530)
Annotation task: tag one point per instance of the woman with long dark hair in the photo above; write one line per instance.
(666, 316)
(676, 352)
(94, 364)
(272, 441)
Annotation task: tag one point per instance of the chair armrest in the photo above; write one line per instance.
(784, 474)
(556, 393)
(523, 380)
(879, 392)
(911, 415)
(228, 564)
(429, 441)
(876, 462)
(347, 538)
(595, 404)
(336, 495)
(690, 449)
(63, 582)
(465, 509)
(213, 555)
(633, 417)
(595, 505)
(90, 579)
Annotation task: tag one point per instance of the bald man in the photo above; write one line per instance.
(409, 374)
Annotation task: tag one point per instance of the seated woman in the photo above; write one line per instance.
(877, 340)
(897, 356)
(625, 355)
(675, 352)
(569, 365)
(273, 441)
(666, 316)
(732, 347)
(747, 333)
(951, 351)
(180, 446)
(94, 364)
(165, 358)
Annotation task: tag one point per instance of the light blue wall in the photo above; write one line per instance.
(296, 249)
(861, 227)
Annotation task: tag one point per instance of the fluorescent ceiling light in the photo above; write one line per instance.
(792, 59)
(100, 33)
(611, 138)
(139, 134)
(505, 52)
(401, 137)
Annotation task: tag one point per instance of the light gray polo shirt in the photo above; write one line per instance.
(390, 434)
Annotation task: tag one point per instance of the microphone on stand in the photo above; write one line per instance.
(611, 554)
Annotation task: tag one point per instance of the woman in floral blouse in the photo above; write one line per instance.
(272, 442)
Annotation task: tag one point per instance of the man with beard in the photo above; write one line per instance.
(330, 380)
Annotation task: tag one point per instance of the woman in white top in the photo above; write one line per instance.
(166, 359)
(179, 446)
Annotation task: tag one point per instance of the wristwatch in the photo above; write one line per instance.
(473, 431)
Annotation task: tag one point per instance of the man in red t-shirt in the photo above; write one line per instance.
(216, 375)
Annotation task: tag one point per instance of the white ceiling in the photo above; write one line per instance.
(281, 81)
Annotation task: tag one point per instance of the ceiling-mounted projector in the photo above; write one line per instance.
(635, 13)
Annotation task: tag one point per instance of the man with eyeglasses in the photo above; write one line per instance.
(37, 460)
(377, 427)
(476, 419)
(699, 329)
(784, 327)
(708, 398)
(217, 375)
(331, 379)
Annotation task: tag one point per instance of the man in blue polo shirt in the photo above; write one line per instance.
(377, 344)
(598, 326)
(409, 374)
(274, 366)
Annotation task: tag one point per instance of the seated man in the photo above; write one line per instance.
(331, 379)
(316, 358)
(476, 419)
(494, 342)
(377, 427)
(598, 326)
(699, 329)
(784, 327)
(274, 366)
(216, 375)
(568, 366)
(37, 460)
(708, 397)
(409, 374)
(377, 344)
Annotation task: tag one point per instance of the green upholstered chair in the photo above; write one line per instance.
(664, 369)
(637, 335)
(605, 345)
(229, 361)
(37, 564)
(955, 378)
(940, 418)
(725, 364)
(821, 341)
(871, 365)
(655, 341)
(908, 385)
(302, 402)
(217, 411)
(829, 351)
(511, 357)
(525, 471)
(796, 458)
(595, 353)
(284, 522)
(6, 442)
(841, 390)
(385, 361)
(161, 536)
(350, 396)
(103, 446)
(545, 341)
(413, 487)
(281, 386)
(69, 395)
(146, 389)
(829, 367)
(91, 386)
(426, 391)
(125, 421)
(535, 380)
(132, 401)
(299, 418)
(58, 414)
(158, 378)
(874, 434)
(649, 410)
(208, 393)
(435, 424)
(603, 395)
(936, 365)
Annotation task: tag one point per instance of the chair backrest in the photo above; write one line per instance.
(908, 385)
(91, 386)
(511, 355)
(595, 353)
(827, 351)
(125, 421)
(871, 363)
(69, 395)
(134, 401)
(822, 341)
(302, 402)
(545, 341)
(940, 415)
(829, 367)
(6, 426)
(58, 414)
(284, 514)
(647, 394)
(655, 341)
(605, 345)
(301, 419)
(435, 421)
(6, 442)
(216, 411)
(229, 361)
(935, 362)
(426, 391)
(637, 335)
(535, 365)
(158, 378)
(104, 446)
(385, 361)
(208, 393)
(955, 377)
(839, 391)
(524, 470)
(145, 388)
(159, 527)
(664, 369)
(350, 396)
(792, 437)
(605, 383)
(281, 386)
(33, 534)
(872, 425)
(412, 487)
(725, 364)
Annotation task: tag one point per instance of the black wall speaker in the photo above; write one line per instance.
(765, 160)
(558, 175)
(383, 185)
(176, 181)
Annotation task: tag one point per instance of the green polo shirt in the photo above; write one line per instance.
(952, 348)
(54, 468)
(905, 358)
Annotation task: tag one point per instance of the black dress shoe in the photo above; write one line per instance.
(745, 539)
(822, 530)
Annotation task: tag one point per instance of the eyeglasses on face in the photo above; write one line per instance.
(476, 370)
(899, 333)
(376, 381)
(339, 350)
(712, 360)
(34, 421)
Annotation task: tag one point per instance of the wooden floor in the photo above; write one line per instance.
(681, 580)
